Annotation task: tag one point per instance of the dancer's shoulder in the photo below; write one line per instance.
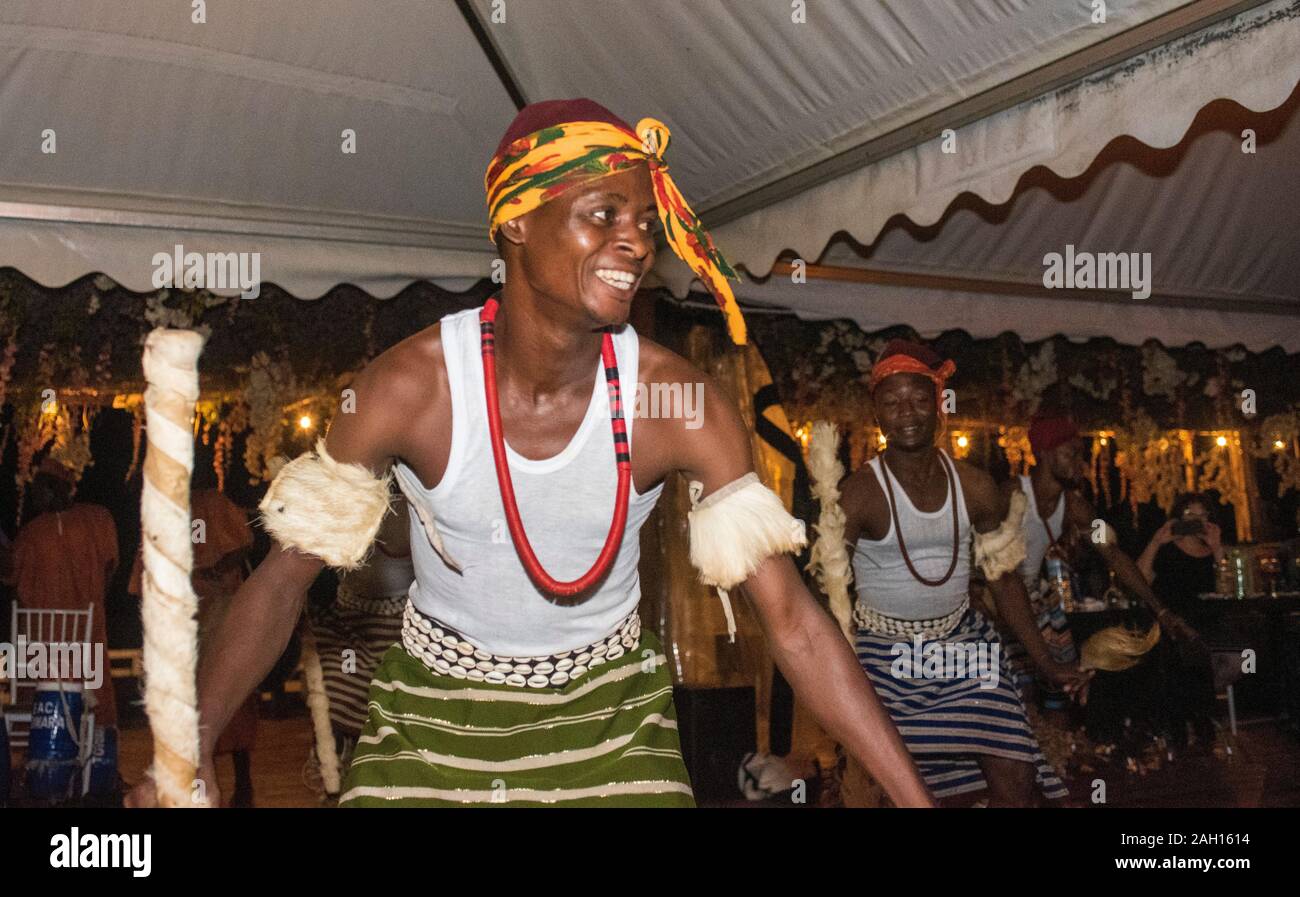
(398, 405)
(1010, 486)
(986, 503)
(685, 421)
(659, 364)
(409, 375)
(860, 490)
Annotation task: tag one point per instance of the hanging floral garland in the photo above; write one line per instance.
(1014, 442)
(1034, 377)
(1278, 439)
(71, 446)
(270, 387)
(1150, 462)
(1099, 466)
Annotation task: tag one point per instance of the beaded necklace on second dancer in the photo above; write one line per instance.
(569, 593)
(902, 546)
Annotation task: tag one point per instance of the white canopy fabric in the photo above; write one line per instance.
(1221, 228)
(226, 136)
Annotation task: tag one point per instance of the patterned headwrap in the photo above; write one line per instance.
(905, 357)
(558, 144)
(902, 356)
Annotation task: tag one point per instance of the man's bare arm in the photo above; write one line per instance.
(264, 612)
(988, 506)
(1128, 573)
(805, 642)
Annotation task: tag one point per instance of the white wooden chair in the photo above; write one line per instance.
(58, 630)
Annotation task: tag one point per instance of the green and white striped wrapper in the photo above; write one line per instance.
(608, 739)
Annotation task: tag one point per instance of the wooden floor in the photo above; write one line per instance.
(1263, 771)
(279, 759)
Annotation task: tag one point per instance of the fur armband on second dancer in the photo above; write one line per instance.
(1001, 551)
(734, 530)
(319, 506)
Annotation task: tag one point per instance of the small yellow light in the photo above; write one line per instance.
(880, 437)
(304, 422)
(962, 441)
(1221, 441)
(1279, 444)
(1105, 441)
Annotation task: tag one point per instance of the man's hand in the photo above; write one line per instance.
(1069, 678)
(1178, 629)
(146, 794)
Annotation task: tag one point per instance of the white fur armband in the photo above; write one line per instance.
(321, 507)
(1002, 550)
(734, 530)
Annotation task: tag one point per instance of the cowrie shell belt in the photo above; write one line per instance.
(874, 620)
(347, 599)
(445, 652)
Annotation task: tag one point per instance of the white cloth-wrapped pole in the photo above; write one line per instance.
(829, 559)
(318, 703)
(169, 602)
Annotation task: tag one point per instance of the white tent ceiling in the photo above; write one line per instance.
(225, 136)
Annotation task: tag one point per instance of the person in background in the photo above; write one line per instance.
(1179, 563)
(1179, 560)
(1060, 522)
(363, 622)
(919, 524)
(64, 558)
(221, 549)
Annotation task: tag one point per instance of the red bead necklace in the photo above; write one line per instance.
(562, 593)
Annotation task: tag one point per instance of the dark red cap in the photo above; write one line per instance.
(1047, 432)
(921, 353)
(548, 113)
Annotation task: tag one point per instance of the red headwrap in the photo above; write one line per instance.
(905, 357)
(1047, 432)
(549, 113)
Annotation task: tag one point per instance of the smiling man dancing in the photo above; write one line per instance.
(523, 676)
(912, 515)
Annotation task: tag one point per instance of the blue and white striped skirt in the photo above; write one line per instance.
(947, 723)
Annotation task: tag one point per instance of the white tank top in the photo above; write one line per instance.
(383, 576)
(1036, 541)
(566, 503)
(881, 576)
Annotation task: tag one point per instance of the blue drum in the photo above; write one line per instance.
(52, 742)
(103, 762)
